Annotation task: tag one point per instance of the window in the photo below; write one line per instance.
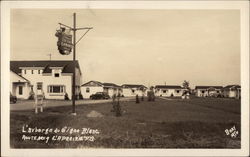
(164, 91)
(20, 91)
(31, 71)
(177, 91)
(39, 85)
(56, 89)
(24, 71)
(202, 91)
(87, 90)
(38, 71)
(56, 74)
(133, 91)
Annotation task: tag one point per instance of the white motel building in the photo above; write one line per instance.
(53, 76)
(92, 87)
(232, 91)
(129, 90)
(168, 90)
(204, 91)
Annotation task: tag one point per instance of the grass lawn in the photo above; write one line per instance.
(195, 123)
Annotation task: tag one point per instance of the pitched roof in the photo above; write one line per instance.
(100, 84)
(95, 82)
(26, 80)
(67, 65)
(206, 87)
(168, 86)
(232, 86)
(110, 85)
(133, 86)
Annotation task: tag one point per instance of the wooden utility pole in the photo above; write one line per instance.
(74, 29)
(74, 71)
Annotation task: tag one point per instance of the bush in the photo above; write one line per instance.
(80, 96)
(116, 105)
(151, 96)
(137, 99)
(66, 97)
(142, 98)
(31, 95)
(118, 112)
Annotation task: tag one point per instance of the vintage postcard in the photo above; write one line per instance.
(99, 78)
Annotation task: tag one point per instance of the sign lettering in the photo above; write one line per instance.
(64, 42)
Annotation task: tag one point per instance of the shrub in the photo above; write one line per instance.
(137, 99)
(151, 96)
(142, 98)
(116, 105)
(66, 97)
(31, 95)
(80, 96)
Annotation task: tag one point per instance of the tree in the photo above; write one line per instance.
(186, 90)
(185, 85)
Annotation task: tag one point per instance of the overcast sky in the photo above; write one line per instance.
(150, 47)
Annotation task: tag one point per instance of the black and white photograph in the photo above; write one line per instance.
(160, 78)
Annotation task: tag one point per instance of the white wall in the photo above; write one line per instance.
(26, 90)
(128, 92)
(217, 91)
(93, 90)
(64, 79)
(200, 94)
(169, 92)
(206, 93)
(139, 92)
(78, 77)
(14, 87)
(111, 91)
(232, 94)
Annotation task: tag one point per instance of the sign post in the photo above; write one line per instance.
(65, 46)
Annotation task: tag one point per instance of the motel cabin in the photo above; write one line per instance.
(232, 91)
(168, 90)
(111, 89)
(54, 77)
(206, 91)
(129, 90)
(92, 87)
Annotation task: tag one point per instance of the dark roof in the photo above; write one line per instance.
(232, 86)
(110, 84)
(21, 76)
(102, 84)
(67, 65)
(133, 86)
(206, 87)
(97, 82)
(168, 86)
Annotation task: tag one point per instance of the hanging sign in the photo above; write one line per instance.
(64, 42)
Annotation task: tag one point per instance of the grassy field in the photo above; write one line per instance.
(195, 123)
